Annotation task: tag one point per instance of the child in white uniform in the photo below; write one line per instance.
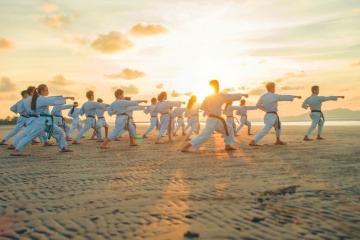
(242, 112)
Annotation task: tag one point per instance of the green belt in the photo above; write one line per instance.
(52, 124)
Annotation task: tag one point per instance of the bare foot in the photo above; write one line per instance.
(185, 150)
(280, 143)
(117, 139)
(133, 145)
(11, 147)
(229, 148)
(307, 139)
(35, 142)
(320, 138)
(250, 134)
(75, 142)
(64, 149)
(100, 140)
(144, 136)
(253, 143)
(69, 139)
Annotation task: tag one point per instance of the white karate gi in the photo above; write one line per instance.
(230, 115)
(212, 105)
(101, 122)
(43, 123)
(122, 121)
(242, 112)
(130, 113)
(269, 103)
(76, 122)
(154, 120)
(179, 114)
(315, 102)
(192, 115)
(59, 119)
(29, 123)
(88, 108)
(163, 107)
(21, 121)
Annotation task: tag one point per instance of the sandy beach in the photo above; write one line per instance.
(305, 190)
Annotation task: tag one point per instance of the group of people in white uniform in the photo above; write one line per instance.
(40, 122)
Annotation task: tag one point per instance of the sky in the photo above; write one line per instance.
(145, 47)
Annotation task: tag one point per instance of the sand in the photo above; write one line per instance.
(305, 190)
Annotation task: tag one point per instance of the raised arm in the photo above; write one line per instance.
(286, 97)
(331, 98)
(135, 108)
(232, 97)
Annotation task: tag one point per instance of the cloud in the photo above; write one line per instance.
(75, 39)
(288, 75)
(49, 7)
(257, 91)
(188, 94)
(287, 87)
(6, 85)
(111, 43)
(144, 29)
(128, 90)
(127, 74)
(57, 20)
(59, 80)
(227, 90)
(160, 86)
(242, 88)
(175, 94)
(355, 64)
(6, 44)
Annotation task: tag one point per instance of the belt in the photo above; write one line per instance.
(94, 127)
(52, 123)
(34, 115)
(230, 116)
(222, 120)
(279, 124)
(90, 116)
(179, 117)
(24, 116)
(322, 115)
(153, 116)
(101, 117)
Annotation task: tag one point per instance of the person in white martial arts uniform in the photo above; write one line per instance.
(179, 114)
(74, 113)
(192, 114)
(89, 108)
(40, 103)
(269, 104)
(163, 107)
(315, 102)
(100, 123)
(122, 121)
(211, 106)
(229, 113)
(59, 120)
(242, 112)
(18, 108)
(154, 120)
(130, 113)
(29, 123)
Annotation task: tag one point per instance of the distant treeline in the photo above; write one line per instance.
(12, 120)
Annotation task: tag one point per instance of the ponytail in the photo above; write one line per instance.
(33, 100)
(191, 102)
(72, 110)
(40, 88)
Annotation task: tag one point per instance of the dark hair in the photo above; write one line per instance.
(314, 88)
(226, 105)
(23, 92)
(153, 100)
(73, 108)
(161, 96)
(99, 100)
(242, 101)
(191, 101)
(40, 88)
(118, 92)
(89, 94)
(30, 89)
